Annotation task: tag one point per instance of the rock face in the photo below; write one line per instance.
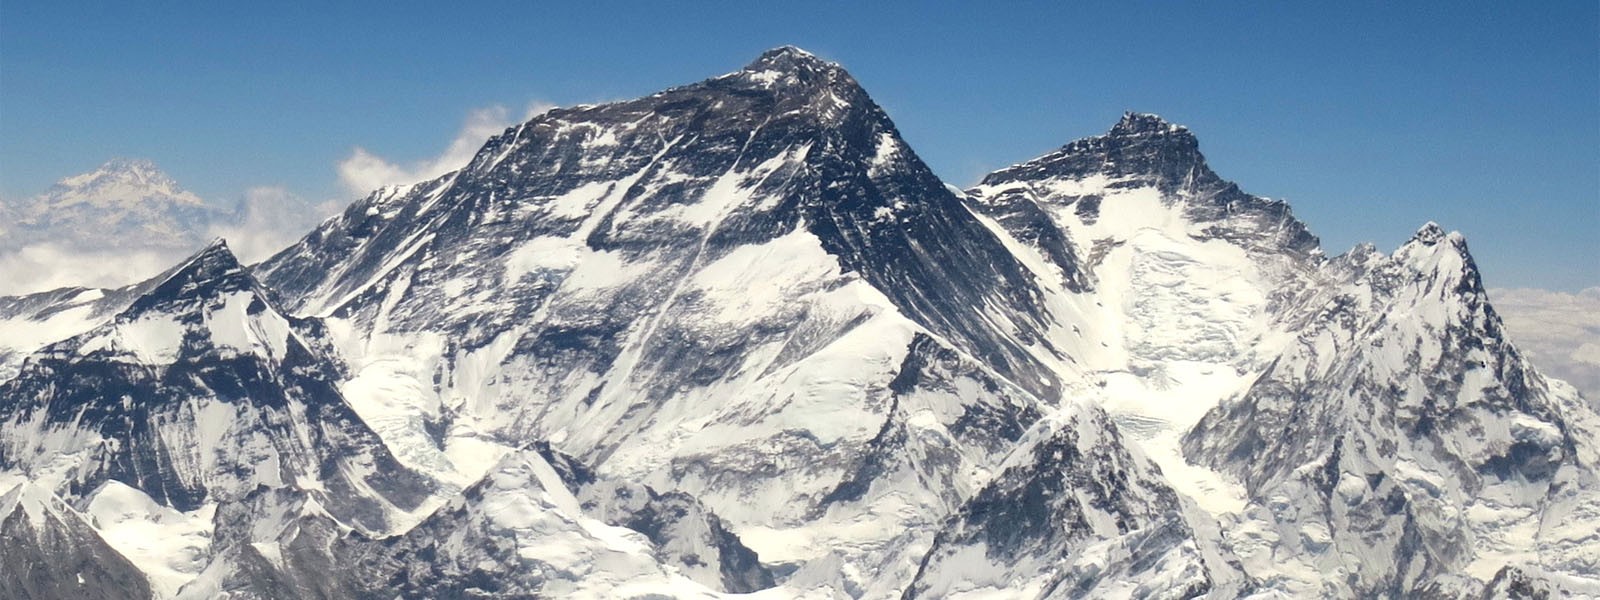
(200, 390)
(538, 524)
(1408, 442)
(735, 337)
(49, 551)
(1073, 514)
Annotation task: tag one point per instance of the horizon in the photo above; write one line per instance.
(1455, 158)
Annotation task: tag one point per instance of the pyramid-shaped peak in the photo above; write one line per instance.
(216, 258)
(1429, 234)
(211, 271)
(789, 58)
(140, 171)
(117, 182)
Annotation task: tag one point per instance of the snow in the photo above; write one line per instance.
(170, 547)
(579, 202)
(524, 501)
(764, 78)
(25, 334)
(754, 281)
(265, 333)
(544, 253)
(151, 339)
(885, 152)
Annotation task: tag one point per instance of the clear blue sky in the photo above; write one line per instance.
(1369, 118)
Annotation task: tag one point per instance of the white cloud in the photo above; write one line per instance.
(364, 171)
(1559, 332)
(41, 267)
(268, 220)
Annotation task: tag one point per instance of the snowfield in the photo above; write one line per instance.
(734, 339)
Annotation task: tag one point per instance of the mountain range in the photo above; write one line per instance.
(736, 338)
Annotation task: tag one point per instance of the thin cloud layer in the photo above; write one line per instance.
(41, 267)
(364, 171)
(268, 220)
(1560, 332)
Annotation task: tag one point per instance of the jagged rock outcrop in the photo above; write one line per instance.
(199, 391)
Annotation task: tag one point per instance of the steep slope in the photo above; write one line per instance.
(1404, 443)
(122, 204)
(200, 390)
(1072, 514)
(538, 524)
(1177, 286)
(685, 534)
(32, 321)
(789, 145)
(48, 551)
(747, 289)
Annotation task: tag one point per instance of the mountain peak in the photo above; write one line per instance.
(1429, 234)
(789, 59)
(788, 67)
(1140, 145)
(212, 270)
(214, 257)
(1136, 123)
(130, 165)
(118, 181)
(125, 203)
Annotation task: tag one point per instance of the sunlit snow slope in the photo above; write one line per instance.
(735, 338)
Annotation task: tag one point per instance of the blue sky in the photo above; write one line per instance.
(1369, 118)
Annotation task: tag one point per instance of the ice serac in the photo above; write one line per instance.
(1401, 440)
(200, 391)
(48, 550)
(1073, 513)
(712, 290)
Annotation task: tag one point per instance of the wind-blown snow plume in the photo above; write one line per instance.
(364, 171)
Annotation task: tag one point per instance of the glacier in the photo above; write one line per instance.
(735, 339)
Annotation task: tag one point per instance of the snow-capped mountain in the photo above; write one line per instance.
(200, 390)
(1409, 445)
(1073, 513)
(538, 523)
(747, 289)
(1179, 286)
(736, 338)
(50, 550)
(123, 203)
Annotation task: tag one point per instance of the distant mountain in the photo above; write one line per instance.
(735, 337)
(123, 203)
